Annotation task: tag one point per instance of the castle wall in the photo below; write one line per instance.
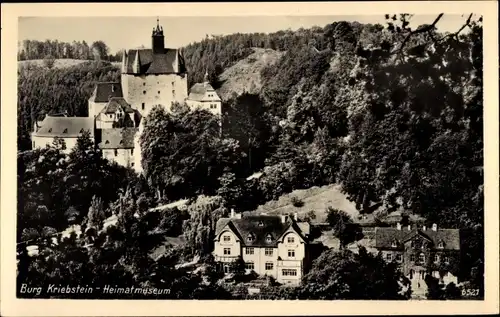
(123, 157)
(143, 92)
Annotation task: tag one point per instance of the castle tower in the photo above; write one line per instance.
(158, 39)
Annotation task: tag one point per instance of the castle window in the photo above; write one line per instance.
(132, 164)
(227, 238)
(144, 84)
(269, 266)
(227, 251)
(158, 92)
(144, 92)
(388, 257)
(50, 130)
(249, 251)
(399, 258)
(421, 258)
(291, 239)
(268, 252)
(143, 106)
(116, 152)
(132, 151)
(291, 253)
(65, 131)
(249, 266)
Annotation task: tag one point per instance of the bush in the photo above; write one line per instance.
(296, 202)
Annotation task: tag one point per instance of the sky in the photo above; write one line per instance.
(129, 32)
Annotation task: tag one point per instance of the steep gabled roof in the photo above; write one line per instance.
(115, 103)
(385, 236)
(65, 127)
(259, 227)
(106, 90)
(199, 90)
(170, 61)
(122, 138)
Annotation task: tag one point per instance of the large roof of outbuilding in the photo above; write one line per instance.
(65, 127)
(384, 237)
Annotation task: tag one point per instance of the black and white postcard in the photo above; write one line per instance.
(234, 152)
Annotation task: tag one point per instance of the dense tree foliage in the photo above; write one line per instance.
(32, 49)
(44, 91)
(54, 187)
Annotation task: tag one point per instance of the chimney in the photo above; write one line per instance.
(398, 226)
(296, 216)
(283, 218)
(434, 227)
(232, 213)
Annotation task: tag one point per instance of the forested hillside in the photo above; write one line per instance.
(393, 114)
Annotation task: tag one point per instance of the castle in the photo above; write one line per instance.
(149, 77)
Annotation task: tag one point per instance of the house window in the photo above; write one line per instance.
(290, 239)
(132, 164)
(399, 258)
(143, 106)
(269, 238)
(291, 253)
(227, 251)
(227, 238)
(421, 258)
(144, 84)
(446, 259)
(412, 257)
(269, 266)
(249, 266)
(394, 244)
(132, 151)
(226, 268)
(249, 251)
(158, 92)
(116, 152)
(289, 272)
(440, 244)
(268, 252)
(388, 256)
(143, 92)
(436, 258)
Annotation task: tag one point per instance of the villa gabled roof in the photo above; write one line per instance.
(259, 227)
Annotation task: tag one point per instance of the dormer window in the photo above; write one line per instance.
(65, 131)
(250, 237)
(227, 238)
(81, 131)
(441, 244)
(261, 224)
(269, 238)
(107, 142)
(50, 130)
(394, 243)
